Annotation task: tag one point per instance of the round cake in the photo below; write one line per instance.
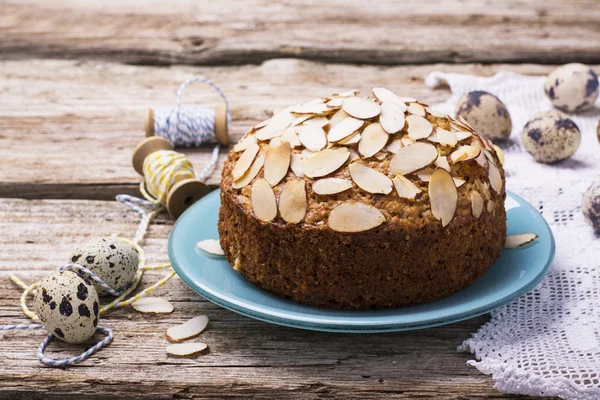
(353, 202)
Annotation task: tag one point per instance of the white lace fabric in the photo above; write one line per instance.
(547, 342)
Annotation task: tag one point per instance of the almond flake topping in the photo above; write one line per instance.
(292, 201)
(263, 199)
(459, 182)
(296, 165)
(354, 217)
(442, 162)
(416, 109)
(319, 121)
(290, 135)
(405, 188)
(244, 143)
(446, 138)
(499, 153)
(394, 146)
(352, 139)
(411, 158)
(313, 109)
(325, 162)
(331, 186)
(495, 178)
(344, 129)
(418, 127)
(361, 107)
(384, 95)
(276, 125)
(406, 141)
(245, 160)
(277, 163)
(462, 135)
(464, 153)
(369, 179)
(373, 139)
(312, 137)
(251, 173)
(514, 241)
(391, 118)
(339, 116)
(443, 196)
(476, 204)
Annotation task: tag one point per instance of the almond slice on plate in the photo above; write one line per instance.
(443, 196)
(446, 138)
(327, 186)
(352, 139)
(245, 161)
(312, 137)
(339, 116)
(244, 143)
(186, 349)
(418, 127)
(369, 179)
(384, 95)
(211, 246)
(276, 125)
(325, 162)
(411, 158)
(263, 200)
(354, 217)
(296, 165)
(405, 188)
(394, 146)
(514, 241)
(476, 204)
(373, 139)
(277, 162)
(361, 107)
(392, 118)
(344, 129)
(442, 162)
(495, 178)
(188, 330)
(416, 109)
(251, 173)
(464, 153)
(292, 201)
(152, 305)
(300, 119)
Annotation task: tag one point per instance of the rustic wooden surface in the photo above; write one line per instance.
(71, 112)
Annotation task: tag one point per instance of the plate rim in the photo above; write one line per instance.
(356, 325)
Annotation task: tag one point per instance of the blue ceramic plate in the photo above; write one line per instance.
(516, 272)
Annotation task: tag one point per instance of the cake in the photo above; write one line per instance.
(352, 202)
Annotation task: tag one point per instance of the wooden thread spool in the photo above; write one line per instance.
(221, 129)
(182, 194)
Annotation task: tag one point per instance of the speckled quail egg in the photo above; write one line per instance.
(591, 206)
(572, 88)
(486, 114)
(550, 136)
(68, 306)
(113, 260)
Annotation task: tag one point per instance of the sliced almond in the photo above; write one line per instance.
(443, 196)
(476, 204)
(373, 139)
(459, 182)
(290, 136)
(352, 139)
(277, 162)
(408, 99)
(483, 187)
(296, 165)
(514, 241)
(418, 127)
(416, 109)
(406, 141)
(499, 153)
(391, 118)
(299, 119)
(245, 160)
(319, 121)
(446, 138)
(442, 162)
(152, 305)
(339, 116)
(435, 113)
(354, 217)
(353, 156)
(312, 137)
(349, 93)
(244, 143)
(292, 201)
(384, 95)
(327, 186)
(382, 155)
(369, 179)
(425, 174)
(344, 129)
(481, 160)
(261, 124)
(495, 178)
(211, 246)
(335, 102)
(276, 125)
(188, 330)
(491, 205)
(405, 188)
(462, 135)
(361, 107)
(464, 153)
(263, 199)
(276, 141)
(413, 157)
(191, 349)
(251, 173)
(394, 146)
(325, 162)
(313, 109)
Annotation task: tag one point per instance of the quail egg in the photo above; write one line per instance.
(68, 306)
(551, 136)
(486, 114)
(591, 206)
(113, 260)
(572, 88)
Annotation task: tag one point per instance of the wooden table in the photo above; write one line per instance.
(75, 78)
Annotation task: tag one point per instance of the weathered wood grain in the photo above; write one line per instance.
(68, 128)
(341, 31)
(247, 359)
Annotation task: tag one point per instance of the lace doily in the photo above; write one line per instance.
(547, 342)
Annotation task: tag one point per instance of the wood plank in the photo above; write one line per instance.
(69, 127)
(247, 359)
(340, 31)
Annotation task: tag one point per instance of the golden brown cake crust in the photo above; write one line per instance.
(408, 259)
